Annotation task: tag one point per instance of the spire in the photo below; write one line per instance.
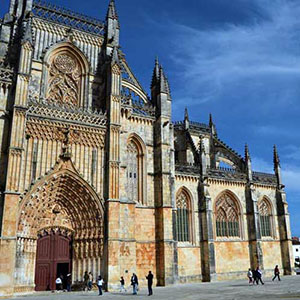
(210, 120)
(276, 160)
(155, 76)
(112, 28)
(203, 162)
(247, 154)
(212, 125)
(164, 83)
(112, 12)
(248, 163)
(186, 114)
(186, 119)
(277, 168)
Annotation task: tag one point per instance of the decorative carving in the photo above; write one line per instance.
(116, 69)
(65, 112)
(47, 130)
(64, 80)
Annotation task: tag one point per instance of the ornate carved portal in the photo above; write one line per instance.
(64, 79)
(61, 202)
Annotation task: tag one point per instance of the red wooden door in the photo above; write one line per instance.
(52, 250)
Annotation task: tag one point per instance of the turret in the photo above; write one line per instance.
(112, 28)
(160, 91)
(248, 163)
(277, 168)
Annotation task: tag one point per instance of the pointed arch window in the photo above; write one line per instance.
(227, 217)
(265, 216)
(183, 217)
(135, 171)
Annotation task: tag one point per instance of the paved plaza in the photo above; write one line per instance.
(288, 288)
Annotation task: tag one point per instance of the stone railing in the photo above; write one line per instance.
(63, 16)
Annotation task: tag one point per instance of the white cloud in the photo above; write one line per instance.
(257, 59)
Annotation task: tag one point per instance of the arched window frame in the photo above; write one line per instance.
(85, 100)
(266, 218)
(189, 218)
(141, 167)
(226, 231)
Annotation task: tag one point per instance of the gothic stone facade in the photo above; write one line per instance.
(95, 175)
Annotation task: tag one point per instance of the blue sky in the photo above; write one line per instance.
(238, 59)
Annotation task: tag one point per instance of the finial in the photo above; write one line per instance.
(276, 159)
(112, 12)
(247, 154)
(210, 120)
(155, 76)
(186, 114)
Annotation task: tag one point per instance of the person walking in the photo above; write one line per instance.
(100, 283)
(122, 287)
(259, 276)
(85, 281)
(150, 282)
(91, 279)
(276, 273)
(250, 276)
(69, 282)
(134, 283)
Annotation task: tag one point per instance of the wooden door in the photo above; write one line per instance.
(52, 250)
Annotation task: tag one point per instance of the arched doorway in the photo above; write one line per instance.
(60, 229)
(53, 258)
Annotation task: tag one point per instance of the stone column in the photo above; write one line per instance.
(112, 245)
(208, 260)
(15, 152)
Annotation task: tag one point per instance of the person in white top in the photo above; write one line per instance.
(100, 283)
(58, 282)
(250, 276)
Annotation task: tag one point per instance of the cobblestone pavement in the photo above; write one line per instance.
(288, 288)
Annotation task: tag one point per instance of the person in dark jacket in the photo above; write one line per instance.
(134, 283)
(150, 282)
(69, 282)
(258, 276)
(276, 273)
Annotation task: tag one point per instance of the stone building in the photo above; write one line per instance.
(95, 176)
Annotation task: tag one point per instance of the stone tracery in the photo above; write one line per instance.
(227, 217)
(183, 216)
(64, 79)
(265, 214)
